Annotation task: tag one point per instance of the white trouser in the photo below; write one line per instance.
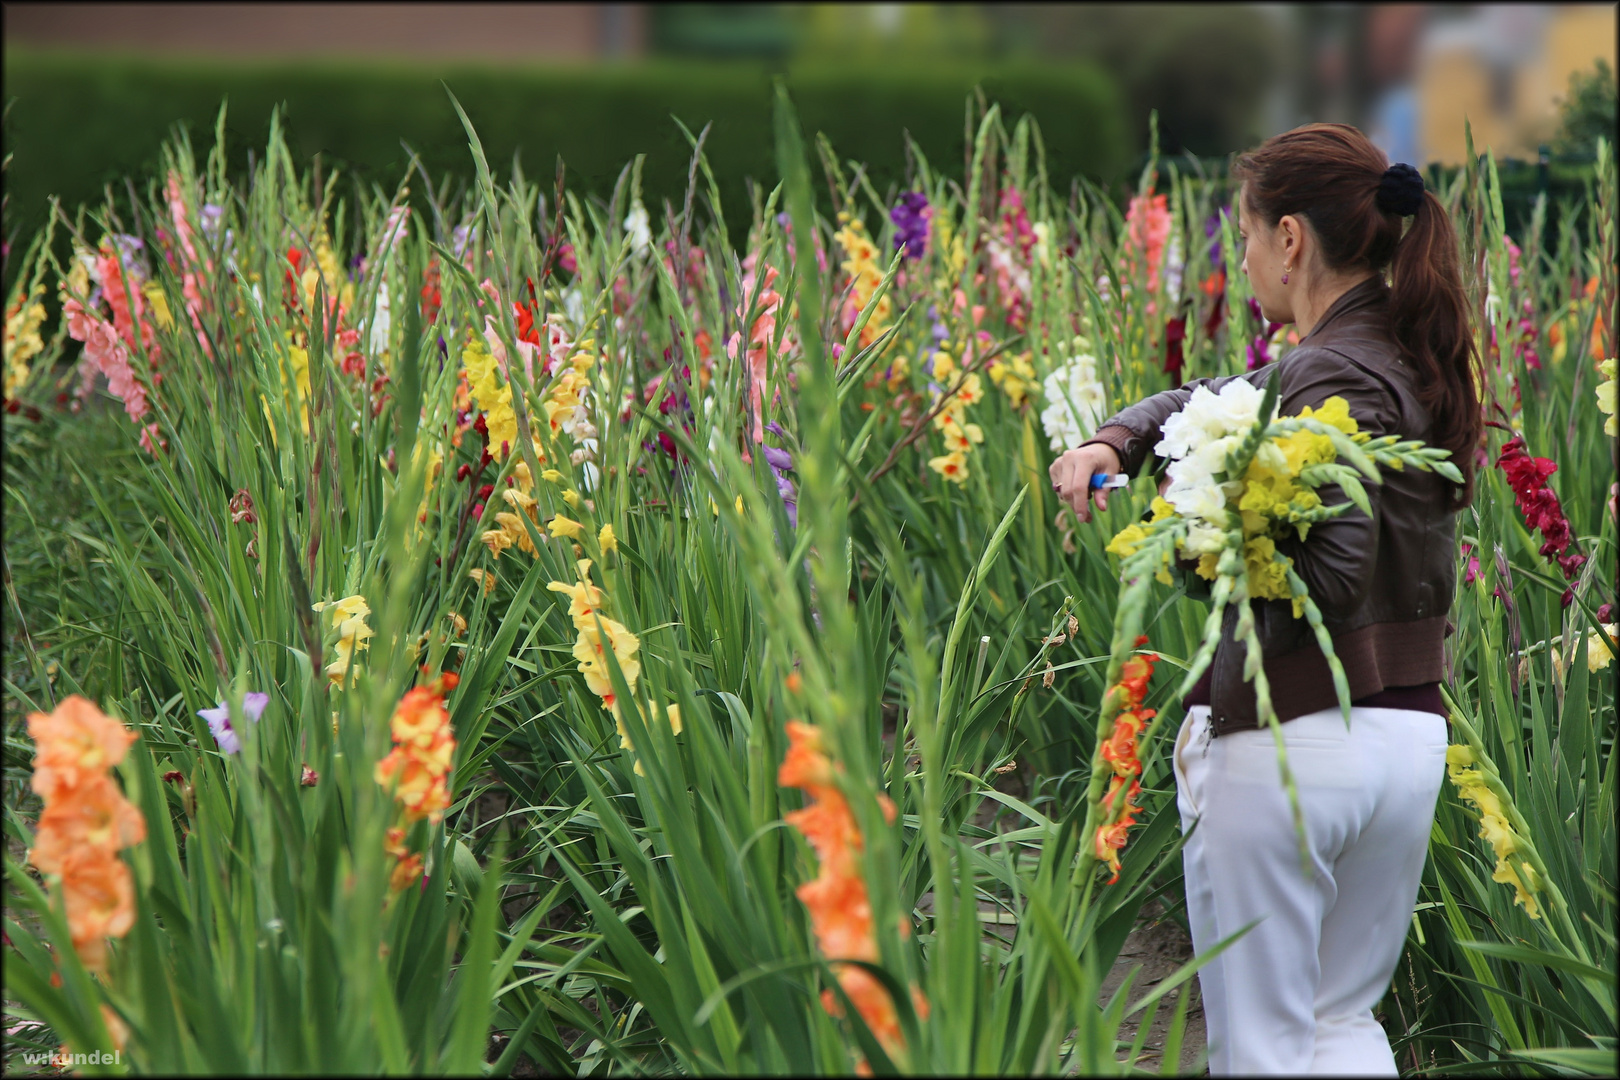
(1295, 994)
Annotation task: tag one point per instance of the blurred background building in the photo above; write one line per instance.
(1220, 76)
(1505, 68)
(498, 32)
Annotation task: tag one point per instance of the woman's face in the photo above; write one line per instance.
(1265, 255)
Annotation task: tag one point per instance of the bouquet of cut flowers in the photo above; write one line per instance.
(1241, 479)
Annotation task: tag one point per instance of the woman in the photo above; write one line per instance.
(1324, 221)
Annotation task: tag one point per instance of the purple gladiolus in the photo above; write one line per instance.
(1212, 233)
(210, 216)
(780, 461)
(911, 216)
(219, 720)
(1259, 354)
(1260, 347)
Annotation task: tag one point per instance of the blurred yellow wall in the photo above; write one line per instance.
(1459, 78)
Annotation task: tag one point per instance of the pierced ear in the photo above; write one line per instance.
(1295, 232)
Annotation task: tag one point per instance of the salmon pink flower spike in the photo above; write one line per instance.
(85, 822)
(73, 743)
(837, 900)
(1147, 221)
(766, 302)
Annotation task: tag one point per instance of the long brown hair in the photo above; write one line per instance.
(1331, 174)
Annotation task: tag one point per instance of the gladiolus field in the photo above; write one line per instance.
(546, 633)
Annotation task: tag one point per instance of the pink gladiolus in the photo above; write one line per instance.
(1147, 224)
(182, 224)
(128, 306)
(189, 286)
(1016, 221)
(104, 352)
(526, 349)
(759, 336)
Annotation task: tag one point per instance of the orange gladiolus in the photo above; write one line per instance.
(99, 895)
(1111, 838)
(93, 816)
(419, 768)
(73, 743)
(420, 760)
(1596, 341)
(839, 906)
(1119, 752)
(86, 820)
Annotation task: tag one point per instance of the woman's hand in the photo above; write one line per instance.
(1071, 477)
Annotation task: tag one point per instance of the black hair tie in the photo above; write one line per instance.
(1401, 190)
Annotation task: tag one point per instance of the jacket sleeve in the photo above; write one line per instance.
(1337, 557)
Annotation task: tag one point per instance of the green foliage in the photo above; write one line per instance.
(1587, 113)
(84, 121)
(1204, 68)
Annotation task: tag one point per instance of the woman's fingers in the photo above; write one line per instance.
(1071, 479)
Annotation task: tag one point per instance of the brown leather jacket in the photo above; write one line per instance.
(1384, 583)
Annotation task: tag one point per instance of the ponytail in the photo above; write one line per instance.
(1429, 315)
(1356, 203)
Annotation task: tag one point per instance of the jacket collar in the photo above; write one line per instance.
(1355, 306)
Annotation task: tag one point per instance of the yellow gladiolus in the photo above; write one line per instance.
(567, 528)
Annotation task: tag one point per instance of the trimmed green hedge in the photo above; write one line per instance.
(79, 121)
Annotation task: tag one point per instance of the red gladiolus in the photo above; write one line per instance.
(1175, 332)
(1527, 476)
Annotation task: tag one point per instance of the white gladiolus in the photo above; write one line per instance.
(638, 225)
(1197, 441)
(574, 306)
(1203, 539)
(1208, 416)
(1076, 401)
(1205, 501)
(393, 232)
(381, 322)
